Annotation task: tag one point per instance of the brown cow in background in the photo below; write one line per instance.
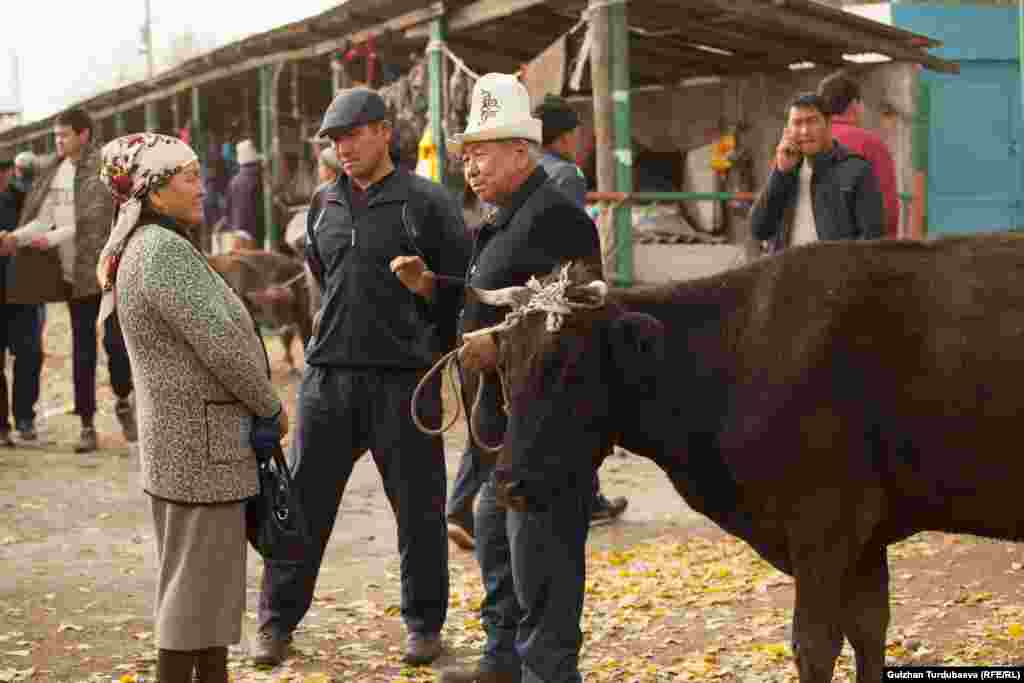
(275, 288)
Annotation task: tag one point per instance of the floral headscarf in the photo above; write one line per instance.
(133, 166)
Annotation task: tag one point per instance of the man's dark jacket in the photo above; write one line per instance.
(536, 230)
(566, 176)
(35, 276)
(10, 205)
(845, 195)
(369, 319)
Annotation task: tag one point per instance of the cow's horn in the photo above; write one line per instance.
(598, 288)
(509, 296)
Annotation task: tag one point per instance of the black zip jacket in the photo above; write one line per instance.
(539, 228)
(536, 230)
(845, 198)
(369, 319)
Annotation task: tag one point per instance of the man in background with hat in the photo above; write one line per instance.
(381, 326)
(561, 140)
(533, 562)
(19, 325)
(244, 206)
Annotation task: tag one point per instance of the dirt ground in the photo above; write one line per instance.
(669, 596)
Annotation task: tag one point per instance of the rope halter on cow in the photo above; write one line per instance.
(535, 297)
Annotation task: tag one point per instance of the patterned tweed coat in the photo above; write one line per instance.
(200, 371)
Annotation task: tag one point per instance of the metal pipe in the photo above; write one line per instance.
(198, 137)
(437, 38)
(152, 119)
(648, 197)
(921, 136)
(622, 117)
(266, 81)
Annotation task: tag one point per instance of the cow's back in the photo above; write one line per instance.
(895, 364)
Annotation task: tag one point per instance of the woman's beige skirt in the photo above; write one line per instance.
(200, 594)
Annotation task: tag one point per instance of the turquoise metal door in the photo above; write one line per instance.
(974, 165)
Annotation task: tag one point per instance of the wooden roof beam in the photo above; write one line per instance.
(477, 13)
(782, 15)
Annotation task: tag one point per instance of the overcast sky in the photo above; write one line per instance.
(68, 48)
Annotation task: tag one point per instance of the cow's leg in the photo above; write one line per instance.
(821, 556)
(866, 611)
(817, 635)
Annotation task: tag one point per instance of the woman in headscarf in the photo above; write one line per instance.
(204, 397)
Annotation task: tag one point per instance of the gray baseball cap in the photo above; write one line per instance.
(351, 108)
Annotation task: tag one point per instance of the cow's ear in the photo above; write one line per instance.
(638, 347)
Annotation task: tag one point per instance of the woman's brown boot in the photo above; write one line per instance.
(175, 666)
(212, 665)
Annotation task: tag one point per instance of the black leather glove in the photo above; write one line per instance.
(266, 432)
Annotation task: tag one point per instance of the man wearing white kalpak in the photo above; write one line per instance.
(532, 557)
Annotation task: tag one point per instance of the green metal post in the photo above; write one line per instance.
(198, 132)
(270, 237)
(437, 38)
(152, 120)
(622, 215)
(919, 145)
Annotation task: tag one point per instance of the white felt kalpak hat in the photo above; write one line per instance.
(500, 110)
(247, 153)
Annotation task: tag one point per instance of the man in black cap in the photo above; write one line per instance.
(381, 326)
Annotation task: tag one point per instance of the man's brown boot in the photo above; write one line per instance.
(422, 648)
(268, 649)
(474, 675)
(87, 441)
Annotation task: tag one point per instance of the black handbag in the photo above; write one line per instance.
(275, 524)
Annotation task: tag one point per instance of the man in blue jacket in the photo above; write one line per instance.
(373, 341)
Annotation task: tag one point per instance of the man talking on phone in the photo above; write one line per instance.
(818, 190)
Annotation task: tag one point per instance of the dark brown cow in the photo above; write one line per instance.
(820, 405)
(257, 276)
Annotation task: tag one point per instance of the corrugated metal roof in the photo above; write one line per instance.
(671, 40)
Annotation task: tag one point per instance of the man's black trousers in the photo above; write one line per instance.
(342, 413)
(84, 314)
